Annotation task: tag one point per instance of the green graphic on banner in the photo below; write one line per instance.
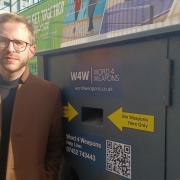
(48, 19)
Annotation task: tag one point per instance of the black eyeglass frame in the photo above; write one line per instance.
(7, 41)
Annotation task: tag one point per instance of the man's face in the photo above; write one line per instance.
(10, 59)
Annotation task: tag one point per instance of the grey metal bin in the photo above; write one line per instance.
(122, 105)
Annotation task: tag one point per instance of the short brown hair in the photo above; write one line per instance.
(12, 17)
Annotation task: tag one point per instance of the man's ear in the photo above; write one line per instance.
(32, 51)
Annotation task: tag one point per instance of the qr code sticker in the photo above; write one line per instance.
(118, 158)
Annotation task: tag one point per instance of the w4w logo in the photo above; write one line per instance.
(81, 75)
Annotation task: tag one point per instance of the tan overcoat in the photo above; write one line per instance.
(36, 134)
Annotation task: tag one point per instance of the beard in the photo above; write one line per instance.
(11, 63)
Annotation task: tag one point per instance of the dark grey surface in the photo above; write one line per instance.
(149, 69)
(173, 113)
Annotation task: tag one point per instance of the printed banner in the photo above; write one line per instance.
(82, 18)
(48, 18)
(58, 22)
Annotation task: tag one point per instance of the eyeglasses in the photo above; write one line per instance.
(19, 45)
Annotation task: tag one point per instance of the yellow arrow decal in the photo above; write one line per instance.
(130, 120)
(69, 112)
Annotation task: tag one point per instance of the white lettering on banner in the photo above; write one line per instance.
(90, 143)
(41, 19)
(106, 74)
(74, 145)
(68, 136)
(97, 75)
(41, 27)
(80, 76)
(52, 11)
(35, 18)
(80, 153)
(93, 89)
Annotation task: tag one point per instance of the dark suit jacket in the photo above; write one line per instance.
(36, 134)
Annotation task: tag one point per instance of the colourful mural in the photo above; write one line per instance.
(82, 18)
(59, 21)
(129, 13)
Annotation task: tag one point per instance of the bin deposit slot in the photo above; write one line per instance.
(92, 115)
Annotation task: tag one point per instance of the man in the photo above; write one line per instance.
(91, 8)
(31, 135)
(77, 7)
